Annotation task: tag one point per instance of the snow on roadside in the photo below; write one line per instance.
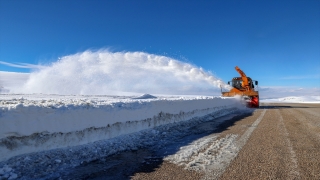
(293, 99)
(206, 152)
(61, 162)
(32, 124)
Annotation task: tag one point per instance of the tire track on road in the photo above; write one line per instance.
(305, 140)
(308, 120)
(268, 153)
(309, 111)
(294, 171)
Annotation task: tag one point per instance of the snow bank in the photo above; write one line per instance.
(294, 99)
(32, 124)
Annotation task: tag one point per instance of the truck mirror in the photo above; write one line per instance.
(256, 82)
(229, 82)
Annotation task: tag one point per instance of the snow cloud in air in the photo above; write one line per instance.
(105, 72)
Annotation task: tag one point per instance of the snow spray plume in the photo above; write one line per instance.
(104, 72)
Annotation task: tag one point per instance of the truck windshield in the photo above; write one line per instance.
(237, 83)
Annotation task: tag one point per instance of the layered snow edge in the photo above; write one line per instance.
(36, 125)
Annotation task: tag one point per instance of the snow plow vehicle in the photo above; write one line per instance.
(245, 88)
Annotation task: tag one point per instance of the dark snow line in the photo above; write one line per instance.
(293, 166)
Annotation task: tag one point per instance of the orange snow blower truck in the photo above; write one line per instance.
(245, 87)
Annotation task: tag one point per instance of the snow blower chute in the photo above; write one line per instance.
(244, 87)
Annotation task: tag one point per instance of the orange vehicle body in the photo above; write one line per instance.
(245, 87)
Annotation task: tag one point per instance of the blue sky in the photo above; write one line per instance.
(275, 42)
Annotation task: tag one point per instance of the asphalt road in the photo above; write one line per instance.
(276, 141)
(285, 145)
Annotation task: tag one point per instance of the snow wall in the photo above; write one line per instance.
(36, 125)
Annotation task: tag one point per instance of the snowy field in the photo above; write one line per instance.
(293, 99)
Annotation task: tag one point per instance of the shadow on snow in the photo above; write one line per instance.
(126, 164)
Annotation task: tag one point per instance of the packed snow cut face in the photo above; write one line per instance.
(104, 72)
(35, 123)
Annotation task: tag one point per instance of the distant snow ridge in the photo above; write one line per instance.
(105, 72)
(145, 96)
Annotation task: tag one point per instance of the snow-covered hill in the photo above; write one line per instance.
(293, 99)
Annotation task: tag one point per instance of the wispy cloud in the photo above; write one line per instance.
(22, 65)
(275, 92)
(315, 76)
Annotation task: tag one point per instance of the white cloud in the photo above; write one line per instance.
(105, 72)
(12, 80)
